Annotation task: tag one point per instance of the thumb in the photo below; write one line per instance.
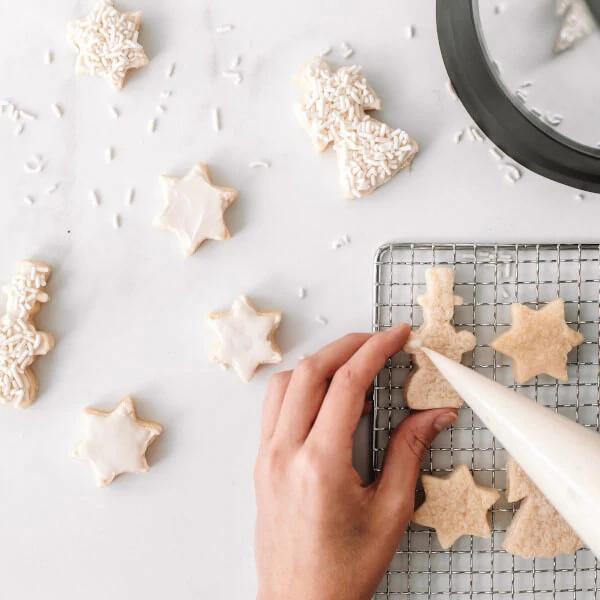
(405, 452)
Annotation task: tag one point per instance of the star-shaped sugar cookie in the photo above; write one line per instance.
(116, 441)
(537, 530)
(194, 208)
(455, 505)
(245, 338)
(577, 23)
(538, 341)
(107, 43)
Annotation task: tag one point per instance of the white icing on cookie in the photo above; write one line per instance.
(115, 442)
(194, 208)
(332, 111)
(245, 338)
(107, 43)
(20, 342)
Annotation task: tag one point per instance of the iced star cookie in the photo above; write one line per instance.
(537, 530)
(538, 341)
(195, 208)
(20, 341)
(106, 42)
(245, 338)
(116, 441)
(426, 388)
(332, 111)
(455, 506)
(577, 23)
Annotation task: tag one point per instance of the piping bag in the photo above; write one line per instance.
(560, 456)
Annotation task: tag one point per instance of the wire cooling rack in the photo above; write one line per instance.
(489, 278)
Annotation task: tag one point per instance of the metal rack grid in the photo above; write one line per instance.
(489, 278)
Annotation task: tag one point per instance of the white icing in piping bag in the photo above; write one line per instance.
(560, 456)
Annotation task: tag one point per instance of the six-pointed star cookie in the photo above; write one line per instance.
(245, 338)
(107, 43)
(116, 441)
(538, 341)
(455, 505)
(195, 207)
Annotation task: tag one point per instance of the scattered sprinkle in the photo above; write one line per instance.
(475, 134)
(49, 57)
(521, 96)
(499, 8)
(512, 174)
(116, 220)
(458, 136)
(161, 109)
(255, 164)
(526, 84)
(301, 293)
(95, 199)
(347, 51)
(109, 154)
(170, 70)
(51, 189)
(28, 200)
(321, 320)
(166, 94)
(216, 118)
(152, 125)
(553, 120)
(129, 195)
(57, 110)
(410, 32)
(235, 76)
(451, 90)
(114, 112)
(34, 164)
(496, 153)
(224, 28)
(325, 51)
(340, 242)
(235, 62)
(536, 112)
(19, 129)
(579, 196)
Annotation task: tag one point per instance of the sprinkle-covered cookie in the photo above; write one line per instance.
(538, 341)
(455, 506)
(426, 387)
(537, 530)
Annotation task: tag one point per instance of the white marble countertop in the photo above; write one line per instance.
(127, 308)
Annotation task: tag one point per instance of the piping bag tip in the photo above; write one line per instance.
(559, 455)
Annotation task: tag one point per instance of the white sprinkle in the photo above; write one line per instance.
(347, 51)
(410, 32)
(116, 220)
(536, 112)
(496, 153)
(346, 238)
(235, 76)
(499, 8)
(51, 189)
(161, 109)
(458, 136)
(57, 110)
(129, 195)
(114, 112)
(49, 57)
(301, 292)
(521, 96)
(235, 62)
(95, 199)
(109, 154)
(152, 125)
(475, 134)
(513, 173)
(321, 320)
(325, 51)
(579, 197)
(28, 200)
(34, 164)
(336, 244)
(166, 94)
(171, 70)
(216, 118)
(27, 116)
(526, 84)
(225, 28)
(19, 129)
(255, 164)
(553, 120)
(451, 90)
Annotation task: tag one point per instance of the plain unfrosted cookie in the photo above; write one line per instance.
(107, 43)
(245, 338)
(538, 341)
(426, 387)
(116, 441)
(20, 341)
(195, 207)
(455, 506)
(332, 111)
(537, 530)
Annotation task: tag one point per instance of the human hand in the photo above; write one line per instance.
(321, 533)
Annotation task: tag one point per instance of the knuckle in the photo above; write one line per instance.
(417, 444)
(268, 464)
(278, 380)
(346, 375)
(311, 469)
(307, 368)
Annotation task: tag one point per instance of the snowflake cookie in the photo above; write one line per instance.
(107, 43)
(20, 341)
(332, 111)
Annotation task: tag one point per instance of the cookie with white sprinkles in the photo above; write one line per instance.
(20, 341)
(333, 112)
(107, 43)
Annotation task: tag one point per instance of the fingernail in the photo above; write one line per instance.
(444, 420)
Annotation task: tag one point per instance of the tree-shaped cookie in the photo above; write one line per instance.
(332, 111)
(537, 530)
(455, 506)
(538, 341)
(20, 341)
(426, 388)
